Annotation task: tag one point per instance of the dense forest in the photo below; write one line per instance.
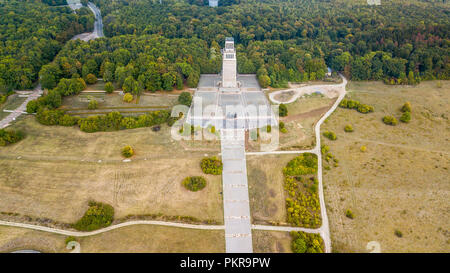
(31, 34)
(400, 42)
(149, 62)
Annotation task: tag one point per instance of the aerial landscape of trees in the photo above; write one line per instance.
(31, 34)
(296, 40)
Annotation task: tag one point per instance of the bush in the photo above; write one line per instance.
(283, 111)
(406, 107)
(349, 214)
(406, 117)
(185, 98)
(354, 104)
(70, 239)
(268, 128)
(91, 79)
(348, 128)
(303, 164)
(211, 165)
(109, 87)
(194, 183)
(284, 130)
(127, 151)
(363, 148)
(390, 120)
(127, 97)
(8, 137)
(330, 135)
(303, 242)
(93, 104)
(98, 215)
(398, 233)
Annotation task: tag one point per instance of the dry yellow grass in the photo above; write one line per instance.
(271, 241)
(13, 239)
(145, 238)
(140, 238)
(266, 188)
(401, 181)
(54, 171)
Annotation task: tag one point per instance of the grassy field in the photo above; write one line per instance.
(144, 238)
(271, 241)
(141, 238)
(401, 181)
(303, 115)
(116, 100)
(11, 103)
(55, 171)
(266, 188)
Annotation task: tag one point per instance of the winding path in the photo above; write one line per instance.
(324, 230)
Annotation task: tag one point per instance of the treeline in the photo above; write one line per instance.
(135, 63)
(399, 42)
(110, 122)
(31, 34)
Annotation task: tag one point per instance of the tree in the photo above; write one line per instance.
(129, 84)
(406, 117)
(108, 74)
(127, 151)
(91, 78)
(185, 98)
(283, 111)
(127, 97)
(299, 246)
(406, 107)
(109, 87)
(93, 104)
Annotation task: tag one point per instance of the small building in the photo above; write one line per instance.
(213, 3)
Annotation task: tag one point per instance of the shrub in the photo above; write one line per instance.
(3, 98)
(284, 130)
(32, 106)
(98, 215)
(109, 87)
(127, 151)
(348, 128)
(303, 164)
(303, 242)
(8, 137)
(406, 117)
(213, 129)
(194, 183)
(363, 148)
(398, 233)
(390, 120)
(185, 98)
(91, 79)
(406, 107)
(268, 128)
(364, 108)
(93, 104)
(330, 135)
(283, 111)
(281, 125)
(70, 239)
(211, 165)
(349, 214)
(127, 97)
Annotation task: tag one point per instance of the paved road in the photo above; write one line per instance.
(37, 92)
(98, 26)
(236, 203)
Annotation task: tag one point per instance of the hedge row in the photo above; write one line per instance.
(354, 104)
(110, 122)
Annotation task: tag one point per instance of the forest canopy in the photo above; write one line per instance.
(400, 42)
(31, 34)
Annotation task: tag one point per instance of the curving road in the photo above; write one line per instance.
(324, 230)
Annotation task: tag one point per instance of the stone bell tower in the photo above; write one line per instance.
(229, 64)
